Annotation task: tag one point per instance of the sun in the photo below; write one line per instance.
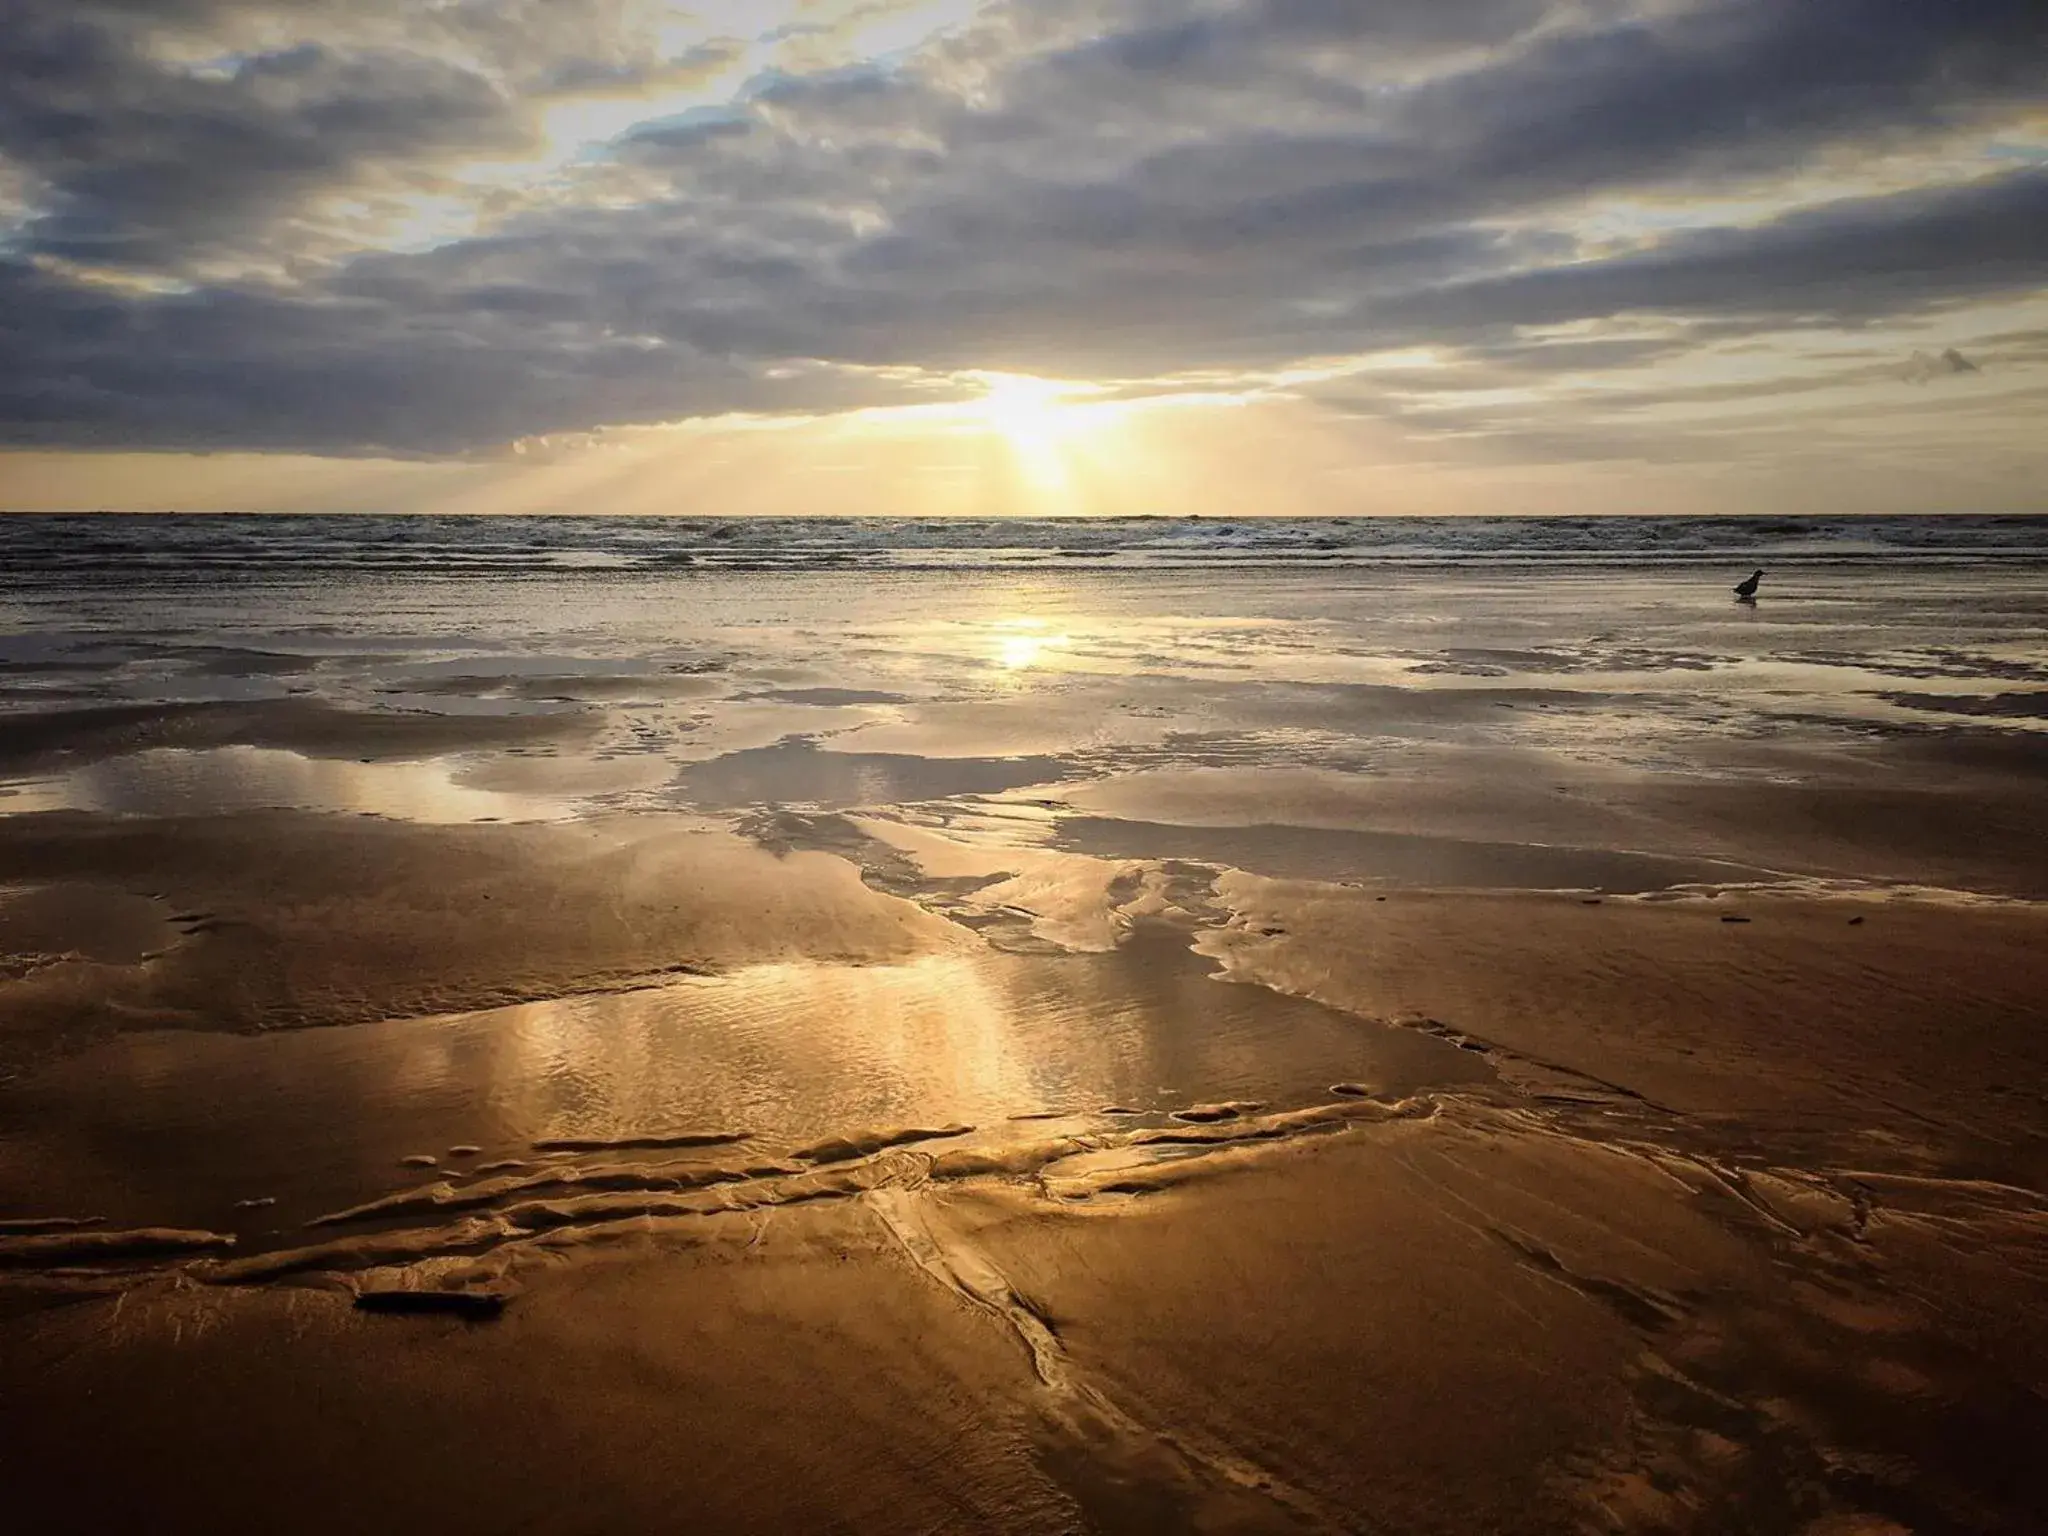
(1022, 408)
(1033, 417)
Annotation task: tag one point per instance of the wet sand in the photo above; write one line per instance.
(900, 1094)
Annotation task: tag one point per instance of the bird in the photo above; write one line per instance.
(1746, 588)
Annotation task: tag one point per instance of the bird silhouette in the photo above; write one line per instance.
(1746, 588)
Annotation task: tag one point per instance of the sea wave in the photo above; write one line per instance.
(38, 549)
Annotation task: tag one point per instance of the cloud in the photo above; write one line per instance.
(213, 247)
(169, 165)
(1923, 368)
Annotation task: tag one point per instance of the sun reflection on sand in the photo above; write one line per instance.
(783, 1053)
(1022, 644)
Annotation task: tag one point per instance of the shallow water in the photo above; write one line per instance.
(223, 780)
(872, 689)
(175, 1128)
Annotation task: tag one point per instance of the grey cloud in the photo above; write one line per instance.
(1656, 417)
(1725, 89)
(151, 164)
(1734, 88)
(1219, 46)
(1260, 182)
(214, 370)
(1848, 261)
(152, 167)
(1925, 368)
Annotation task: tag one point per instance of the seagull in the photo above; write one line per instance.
(1746, 589)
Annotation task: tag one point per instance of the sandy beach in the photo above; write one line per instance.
(1024, 1051)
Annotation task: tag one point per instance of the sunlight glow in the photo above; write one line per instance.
(1019, 406)
(1029, 415)
(1044, 429)
(1026, 644)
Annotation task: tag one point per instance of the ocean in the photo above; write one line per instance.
(39, 549)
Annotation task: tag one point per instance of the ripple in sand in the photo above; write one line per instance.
(75, 1246)
(839, 1149)
(1210, 1114)
(20, 1224)
(583, 1204)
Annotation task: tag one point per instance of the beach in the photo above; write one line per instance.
(1392, 1025)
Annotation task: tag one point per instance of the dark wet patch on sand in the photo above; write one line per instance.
(75, 920)
(2031, 705)
(1323, 853)
(1456, 661)
(475, 1304)
(613, 687)
(41, 743)
(828, 698)
(800, 772)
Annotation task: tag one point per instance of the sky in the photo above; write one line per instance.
(994, 257)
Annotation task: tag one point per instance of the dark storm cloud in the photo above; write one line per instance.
(1237, 189)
